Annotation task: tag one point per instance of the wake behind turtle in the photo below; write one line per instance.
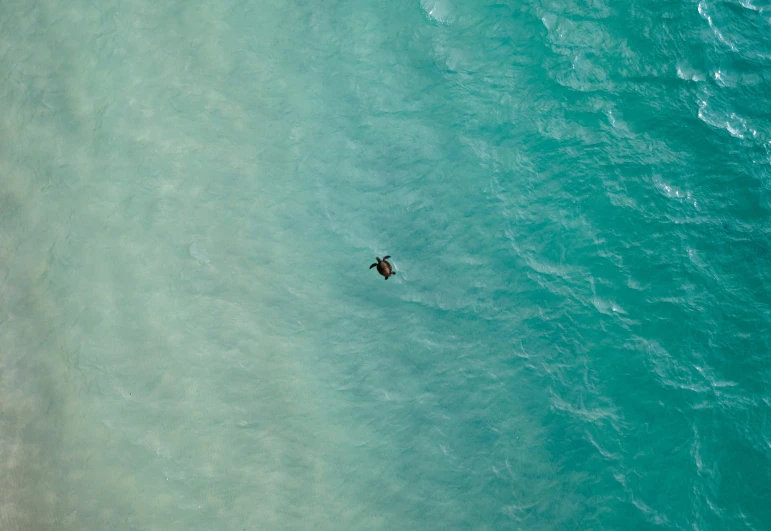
(384, 267)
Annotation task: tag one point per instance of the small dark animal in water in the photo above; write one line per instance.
(383, 267)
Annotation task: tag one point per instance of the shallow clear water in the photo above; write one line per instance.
(576, 196)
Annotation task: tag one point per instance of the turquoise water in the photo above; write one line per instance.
(576, 197)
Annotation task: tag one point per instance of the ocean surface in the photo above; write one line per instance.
(576, 195)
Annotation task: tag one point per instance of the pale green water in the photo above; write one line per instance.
(576, 199)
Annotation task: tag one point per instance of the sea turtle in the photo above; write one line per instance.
(383, 267)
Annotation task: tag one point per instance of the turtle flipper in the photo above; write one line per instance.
(386, 257)
(373, 265)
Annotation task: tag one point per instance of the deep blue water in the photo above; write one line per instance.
(576, 199)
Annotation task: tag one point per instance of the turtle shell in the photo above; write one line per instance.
(384, 268)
